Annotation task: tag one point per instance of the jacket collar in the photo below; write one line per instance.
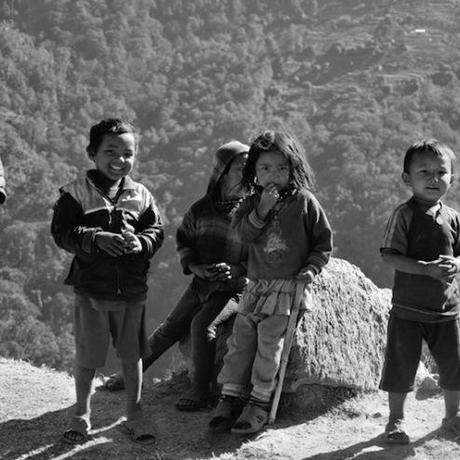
(126, 183)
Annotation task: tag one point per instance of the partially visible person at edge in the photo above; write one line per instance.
(289, 241)
(213, 254)
(2, 184)
(112, 226)
(422, 244)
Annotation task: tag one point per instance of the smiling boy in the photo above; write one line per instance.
(422, 244)
(112, 226)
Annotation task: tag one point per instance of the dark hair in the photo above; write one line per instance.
(107, 126)
(301, 176)
(428, 146)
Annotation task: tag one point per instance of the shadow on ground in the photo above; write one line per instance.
(41, 437)
(377, 449)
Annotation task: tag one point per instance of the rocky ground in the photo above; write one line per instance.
(35, 403)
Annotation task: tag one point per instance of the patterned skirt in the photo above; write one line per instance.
(275, 297)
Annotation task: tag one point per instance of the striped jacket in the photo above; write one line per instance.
(205, 237)
(82, 210)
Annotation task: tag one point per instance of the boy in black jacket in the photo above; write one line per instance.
(112, 226)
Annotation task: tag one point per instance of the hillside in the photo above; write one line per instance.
(34, 404)
(356, 81)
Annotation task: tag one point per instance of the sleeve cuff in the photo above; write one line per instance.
(255, 220)
(88, 243)
(313, 268)
(145, 243)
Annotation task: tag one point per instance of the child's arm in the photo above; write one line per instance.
(247, 222)
(66, 229)
(441, 269)
(218, 272)
(189, 258)
(455, 259)
(149, 235)
(394, 249)
(268, 199)
(320, 234)
(185, 246)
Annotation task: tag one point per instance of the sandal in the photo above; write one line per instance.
(140, 431)
(115, 382)
(252, 419)
(226, 412)
(78, 431)
(395, 434)
(193, 402)
(452, 424)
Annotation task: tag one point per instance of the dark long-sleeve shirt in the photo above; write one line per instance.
(295, 236)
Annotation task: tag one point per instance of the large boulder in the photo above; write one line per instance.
(340, 342)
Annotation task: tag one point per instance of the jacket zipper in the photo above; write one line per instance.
(111, 222)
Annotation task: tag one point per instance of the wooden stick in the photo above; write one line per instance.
(289, 338)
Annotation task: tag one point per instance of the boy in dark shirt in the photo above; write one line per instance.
(422, 243)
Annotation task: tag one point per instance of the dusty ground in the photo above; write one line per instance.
(34, 406)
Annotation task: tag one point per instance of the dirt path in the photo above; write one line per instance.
(34, 406)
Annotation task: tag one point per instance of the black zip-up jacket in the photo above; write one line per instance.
(82, 210)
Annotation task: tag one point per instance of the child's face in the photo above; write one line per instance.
(115, 156)
(272, 168)
(429, 176)
(232, 180)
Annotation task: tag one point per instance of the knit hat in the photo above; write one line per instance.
(224, 155)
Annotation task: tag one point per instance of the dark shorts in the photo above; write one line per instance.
(94, 324)
(404, 347)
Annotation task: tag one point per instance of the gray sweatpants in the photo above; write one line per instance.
(254, 355)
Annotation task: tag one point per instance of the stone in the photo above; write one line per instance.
(340, 342)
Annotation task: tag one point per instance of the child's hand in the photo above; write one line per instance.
(451, 262)
(441, 269)
(306, 274)
(226, 272)
(268, 199)
(133, 244)
(206, 272)
(111, 243)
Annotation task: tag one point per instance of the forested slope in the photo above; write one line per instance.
(356, 81)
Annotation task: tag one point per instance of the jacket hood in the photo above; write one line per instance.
(224, 155)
